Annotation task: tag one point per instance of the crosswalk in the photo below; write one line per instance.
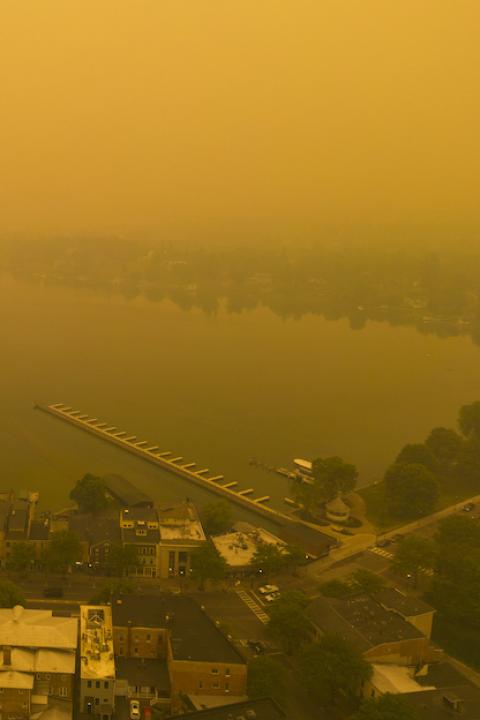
(253, 606)
(389, 556)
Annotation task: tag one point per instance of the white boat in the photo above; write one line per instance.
(303, 466)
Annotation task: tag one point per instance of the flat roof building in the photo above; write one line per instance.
(97, 663)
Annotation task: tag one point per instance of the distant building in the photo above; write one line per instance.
(37, 663)
(125, 493)
(18, 524)
(139, 528)
(97, 663)
(261, 709)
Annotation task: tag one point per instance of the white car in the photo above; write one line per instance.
(134, 710)
(271, 597)
(268, 589)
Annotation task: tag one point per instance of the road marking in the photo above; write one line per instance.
(253, 606)
(382, 552)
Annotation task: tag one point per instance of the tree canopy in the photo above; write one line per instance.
(217, 517)
(413, 554)
(63, 550)
(121, 558)
(446, 445)
(207, 564)
(332, 667)
(89, 494)
(469, 420)
(330, 477)
(10, 594)
(288, 624)
(22, 556)
(266, 678)
(386, 707)
(268, 559)
(411, 490)
(417, 454)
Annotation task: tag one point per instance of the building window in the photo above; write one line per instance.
(7, 656)
(97, 701)
(1, 690)
(227, 672)
(63, 692)
(227, 687)
(200, 684)
(216, 684)
(47, 676)
(135, 651)
(105, 685)
(97, 683)
(149, 637)
(214, 671)
(89, 683)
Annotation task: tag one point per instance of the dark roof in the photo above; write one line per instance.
(147, 514)
(361, 621)
(261, 709)
(405, 605)
(437, 704)
(17, 521)
(126, 493)
(194, 636)
(151, 537)
(95, 529)
(143, 672)
(39, 530)
(312, 541)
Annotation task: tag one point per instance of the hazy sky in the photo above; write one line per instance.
(143, 115)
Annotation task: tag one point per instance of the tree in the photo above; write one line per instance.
(293, 557)
(332, 667)
(417, 454)
(268, 559)
(446, 445)
(386, 707)
(207, 564)
(217, 517)
(366, 581)
(10, 594)
(63, 550)
(414, 553)
(410, 490)
(89, 494)
(333, 475)
(469, 421)
(288, 623)
(266, 678)
(458, 530)
(111, 589)
(121, 558)
(22, 556)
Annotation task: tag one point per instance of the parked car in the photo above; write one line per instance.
(257, 646)
(385, 542)
(134, 710)
(268, 589)
(53, 592)
(271, 597)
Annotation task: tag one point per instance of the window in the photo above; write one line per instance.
(89, 683)
(227, 687)
(149, 637)
(38, 675)
(214, 671)
(105, 685)
(97, 701)
(47, 676)
(227, 672)
(216, 684)
(135, 651)
(1, 690)
(97, 683)
(7, 656)
(63, 691)
(105, 701)
(20, 692)
(200, 684)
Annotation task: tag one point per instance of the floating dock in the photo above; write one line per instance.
(164, 459)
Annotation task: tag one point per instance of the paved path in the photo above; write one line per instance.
(253, 606)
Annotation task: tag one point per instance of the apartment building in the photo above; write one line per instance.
(97, 662)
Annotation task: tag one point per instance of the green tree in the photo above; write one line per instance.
(217, 517)
(416, 454)
(413, 554)
(410, 490)
(365, 581)
(469, 421)
(293, 557)
(268, 559)
(446, 445)
(112, 589)
(207, 564)
(288, 623)
(333, 475)
(458, 530)
(22, 556)
(89, 494)
(121, 558)
(386, 707)
(10, 594)
(332, 667)
(63, 550)
(266, 678)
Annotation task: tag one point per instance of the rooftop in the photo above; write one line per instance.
(395, 679)
(146, 514)
(194, 636)
(261, 709)
(96, 529)
(36, 629)
(180, 523)
(16, 680)
(96, 643)
(39, 530)
(144, 672)
(405, 605)
(126, 493)
(239, 546)
(51, 661)
(361, 620)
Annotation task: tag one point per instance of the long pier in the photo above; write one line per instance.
(167, 461)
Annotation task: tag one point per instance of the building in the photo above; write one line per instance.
(174, 629)
(97, 663)
(181, 533)
(381, 635)
(238, 546)
(139, 528)
(126, 494)
(336, 510)
(97, 534)
(261, 709)
(19, 525)
(37, 663)
(411, 609)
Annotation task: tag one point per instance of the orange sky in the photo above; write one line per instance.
(140, 115)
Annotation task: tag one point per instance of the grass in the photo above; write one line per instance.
(460, 641)
(451, 492)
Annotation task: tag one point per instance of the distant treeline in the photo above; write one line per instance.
(438, 291)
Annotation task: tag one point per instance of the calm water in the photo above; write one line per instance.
(217, 390)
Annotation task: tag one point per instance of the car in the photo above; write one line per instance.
(53, 592)
(468, 507)
(385, 542)
(268, 589)
(271, 597)
(257, 646)
(134, 710)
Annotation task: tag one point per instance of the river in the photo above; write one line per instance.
(218, 390)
